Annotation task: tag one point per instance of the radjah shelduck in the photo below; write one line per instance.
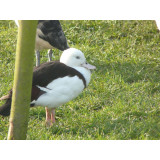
(49, 35)
(56, 83)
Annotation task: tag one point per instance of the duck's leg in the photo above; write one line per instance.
(49, 114)
(50, 55)
(37, 58)
(48, 117)
(53, 116)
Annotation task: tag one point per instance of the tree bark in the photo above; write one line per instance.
(22, 80)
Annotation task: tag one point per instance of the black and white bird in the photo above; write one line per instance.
(56, 83)
(49, 35)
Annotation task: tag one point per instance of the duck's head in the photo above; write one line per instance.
(75, 58)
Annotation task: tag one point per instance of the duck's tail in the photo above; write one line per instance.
(5, 108)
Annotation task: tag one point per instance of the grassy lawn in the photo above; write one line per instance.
(122, 100)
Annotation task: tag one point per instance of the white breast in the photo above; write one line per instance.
(85, 72)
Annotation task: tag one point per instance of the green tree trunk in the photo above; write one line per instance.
(22, 80)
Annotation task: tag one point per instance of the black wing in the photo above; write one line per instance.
(53, 33)
(49, 71)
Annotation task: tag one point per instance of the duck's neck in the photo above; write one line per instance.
(85, 72)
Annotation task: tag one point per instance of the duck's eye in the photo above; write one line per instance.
(77, 57)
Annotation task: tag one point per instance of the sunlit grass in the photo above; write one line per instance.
(123, 98)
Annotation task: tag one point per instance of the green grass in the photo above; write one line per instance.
(122, 100)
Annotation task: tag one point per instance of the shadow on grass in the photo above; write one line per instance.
(132, 72)
(138, 127)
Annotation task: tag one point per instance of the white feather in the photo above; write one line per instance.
(16, 21)
(158, 24)
(60, 91)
